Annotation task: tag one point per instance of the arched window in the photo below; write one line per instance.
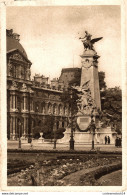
(19, 103)
(43, 108)
(60, 111)
(54, 109)
(65, 111)
(49, 108)
(57, 124)
(36, 107)
(62, 123)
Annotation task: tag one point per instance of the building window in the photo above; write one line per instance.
(54, 109)
(36, 107)
(57, 125)
(43, 108)
(49, 108)
(62, 123)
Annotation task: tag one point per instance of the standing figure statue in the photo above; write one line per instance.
(88, 42)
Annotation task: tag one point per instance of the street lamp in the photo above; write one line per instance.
(20, 134)
(54, 132)
(54, 147)
(71, 137)
(92, 128)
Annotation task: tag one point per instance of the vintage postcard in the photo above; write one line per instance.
(63, 96)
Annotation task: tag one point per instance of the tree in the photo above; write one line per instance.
(47, 128)
(77, 79)
(60, 132)
(112, 107)
(70, 97)
(36, 131)
(102, 83)
(111, 104)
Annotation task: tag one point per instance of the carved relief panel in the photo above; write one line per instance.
(17, 56)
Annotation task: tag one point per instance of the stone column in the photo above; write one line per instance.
(24, 108)
(13, 101)
(16, 128)
(10, 102)
(32, 125)
(24, 127)
(46, 108)
(11, 127)
(13, 135)
(30, 104)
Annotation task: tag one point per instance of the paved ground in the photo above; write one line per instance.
(49, 146)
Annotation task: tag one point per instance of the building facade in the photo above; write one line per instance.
(29, 102)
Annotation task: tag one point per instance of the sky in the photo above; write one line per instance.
(50, 37)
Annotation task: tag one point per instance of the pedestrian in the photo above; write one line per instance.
(119, 142)
(116, 143)
(106, 139)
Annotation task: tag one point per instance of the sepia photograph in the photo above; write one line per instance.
(64, 95)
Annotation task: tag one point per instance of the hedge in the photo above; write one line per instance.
(62, 151)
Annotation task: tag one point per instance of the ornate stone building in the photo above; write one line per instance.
(29, 102)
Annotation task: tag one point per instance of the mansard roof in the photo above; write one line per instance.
(12, 42)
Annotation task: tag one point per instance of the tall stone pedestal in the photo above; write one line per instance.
(89, 73)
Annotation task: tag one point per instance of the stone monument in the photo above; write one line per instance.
(89, 96)
(89, 103)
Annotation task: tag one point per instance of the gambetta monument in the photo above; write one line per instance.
(89, 104)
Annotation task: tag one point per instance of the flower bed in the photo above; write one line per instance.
(52, 172)
(91, 177)
(14, 166)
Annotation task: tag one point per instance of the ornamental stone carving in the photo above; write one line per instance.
(10, 68)
(31, 91)
(85, 102)
(14, 85)
(17, 56)
(28, 74)
(24, 88)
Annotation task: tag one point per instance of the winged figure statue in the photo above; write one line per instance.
(88, 42)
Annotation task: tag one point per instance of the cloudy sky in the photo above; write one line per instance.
(50, 36)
